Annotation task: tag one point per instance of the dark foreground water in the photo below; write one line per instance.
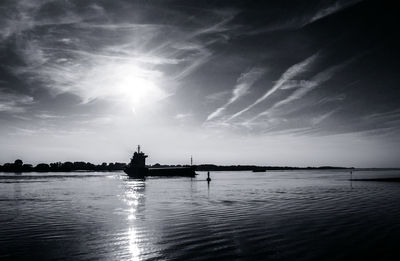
(312, 215)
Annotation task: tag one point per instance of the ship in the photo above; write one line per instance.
(137, 168)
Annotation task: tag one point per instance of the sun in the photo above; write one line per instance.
(135, 89)
(135, 86)
(125, 84)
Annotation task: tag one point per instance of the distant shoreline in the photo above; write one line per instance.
(80, 166)
(19, 166)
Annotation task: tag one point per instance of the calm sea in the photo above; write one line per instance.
(293, 215)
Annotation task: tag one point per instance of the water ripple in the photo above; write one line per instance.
(238, 216)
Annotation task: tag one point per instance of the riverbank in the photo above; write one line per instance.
(19, 166)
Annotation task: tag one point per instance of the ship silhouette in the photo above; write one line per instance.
(137, 168)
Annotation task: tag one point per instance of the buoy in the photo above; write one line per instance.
(208, 176)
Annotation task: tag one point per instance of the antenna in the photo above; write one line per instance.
(138, 148)
(191, 160)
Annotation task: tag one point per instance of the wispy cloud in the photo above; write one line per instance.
(336, 7)
(243, 84)
(183, 116)
(13, 102)
(294, 84)
(217, 96)
(290, 73)
(25, 15)
(197, 51)
(94, 57)
(48, 116)
(299, 20)
(387, 116)
(336, 98)
(305, 88)
(317, 120)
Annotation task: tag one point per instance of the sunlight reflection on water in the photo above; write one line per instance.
(134, 244)
(134, 194)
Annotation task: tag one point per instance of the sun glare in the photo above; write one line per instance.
(126, 84)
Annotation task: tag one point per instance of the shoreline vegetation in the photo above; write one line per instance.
(68, 166)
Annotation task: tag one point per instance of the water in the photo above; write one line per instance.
(294, 215)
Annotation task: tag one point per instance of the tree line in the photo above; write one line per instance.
(19, 166)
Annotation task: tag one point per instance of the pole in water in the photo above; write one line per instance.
(208, 176)
(351, 179)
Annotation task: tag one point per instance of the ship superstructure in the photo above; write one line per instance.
(137, 166)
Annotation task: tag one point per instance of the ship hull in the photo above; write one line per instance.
(142, 172)
(136, 172)
(173, 172)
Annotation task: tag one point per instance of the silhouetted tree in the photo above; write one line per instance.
(79, 165)
(67, 166)
(42, 167)
(90, 166)
(55, 166)
(110, 166)
(8, 167)
(119, 166)
(27, 168)
(17, 166)
(18, 163)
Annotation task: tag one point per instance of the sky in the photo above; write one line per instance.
(289, 83)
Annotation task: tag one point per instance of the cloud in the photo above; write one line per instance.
(25, 15)
(290, 73)
(310, 85)
(198, 50)
(13, 102)
(316, 81)
(217, 96)
(336, 7)
(202, 56)
(48, 116)
(294, 84)
(216, 113)
(183, 116)
(87, 53)
(243, 84)
(339, 97)
(387, 116)
(321, 118)
(300, 19)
